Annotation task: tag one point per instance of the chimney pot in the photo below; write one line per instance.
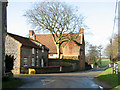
(81, 31)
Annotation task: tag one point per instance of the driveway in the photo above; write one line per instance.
(82, 79)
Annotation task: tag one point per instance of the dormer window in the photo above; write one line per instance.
(33, 51)
(42, 48)
(40, 44)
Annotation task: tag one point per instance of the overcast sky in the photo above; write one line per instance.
(99, 18)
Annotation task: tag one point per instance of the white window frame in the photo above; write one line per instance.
(33, 62)
(33, 51)
(25, 62)
(42, 48)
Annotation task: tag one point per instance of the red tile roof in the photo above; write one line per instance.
(47, 40)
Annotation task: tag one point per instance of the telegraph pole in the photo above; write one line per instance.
(119, 31)
(118, 40)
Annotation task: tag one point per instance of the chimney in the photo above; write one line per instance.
(81, 34)
(81, 31)
(31, 34)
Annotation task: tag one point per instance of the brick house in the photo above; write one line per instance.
(27, 52)
(73, 49)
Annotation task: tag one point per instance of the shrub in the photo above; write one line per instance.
(9, 62)
(8, 76)
(87, 66)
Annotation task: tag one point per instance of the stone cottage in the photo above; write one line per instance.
(28, 53)
(72, 49)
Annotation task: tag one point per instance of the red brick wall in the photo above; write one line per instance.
(71, 49)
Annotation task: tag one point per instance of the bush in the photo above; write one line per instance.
(87, 66)
(9, 62)
(8, 76)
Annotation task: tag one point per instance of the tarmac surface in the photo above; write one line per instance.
(84, 79)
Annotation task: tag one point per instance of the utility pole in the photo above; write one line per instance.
(119, 30)
(118, 40)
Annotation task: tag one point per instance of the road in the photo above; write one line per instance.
(82, 79)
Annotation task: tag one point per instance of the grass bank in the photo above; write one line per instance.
(108, 77)
(13, 83)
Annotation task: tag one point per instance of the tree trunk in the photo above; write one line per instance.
(58, 51)
(58, 56)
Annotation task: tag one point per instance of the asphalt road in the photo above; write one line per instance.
(61, 80)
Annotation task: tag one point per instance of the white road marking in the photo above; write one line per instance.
(45, 82)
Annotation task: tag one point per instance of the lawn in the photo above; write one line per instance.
(104, 62)
(11, 83)
(110, 78)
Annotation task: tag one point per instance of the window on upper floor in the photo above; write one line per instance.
(42, 48)
(25, 62)
(33, 51)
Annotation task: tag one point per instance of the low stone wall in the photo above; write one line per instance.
(67, 65)
(41, 70)
(54, 66)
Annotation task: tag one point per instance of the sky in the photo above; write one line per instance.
(99, 18)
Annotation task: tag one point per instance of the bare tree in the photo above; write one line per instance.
(112, 49)
(99, 50)
(57, 18)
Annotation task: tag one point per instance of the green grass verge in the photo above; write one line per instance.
(104, 62)
(11, 83)
(107, 60)
(108, 77)
(116, 88)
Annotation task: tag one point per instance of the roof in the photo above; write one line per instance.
(40, 44)
(47, 40)
(24, 41)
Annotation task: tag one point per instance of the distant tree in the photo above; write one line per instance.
(111, 51)
(100, 51)
(57, 18)
(9, 62)
(93, 54)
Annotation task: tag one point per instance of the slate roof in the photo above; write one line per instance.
(47, 40)
(24, 41)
